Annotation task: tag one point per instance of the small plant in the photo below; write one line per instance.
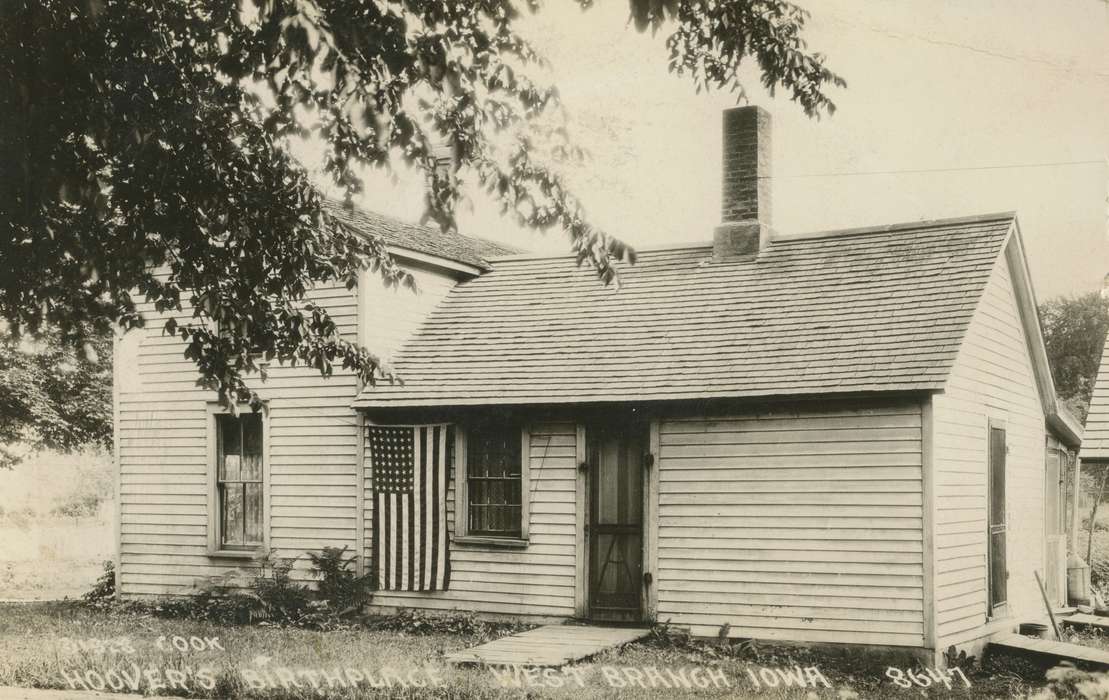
(958, 659)
(103, 592)
(722, 634)
(665, 636)
(281, 599)
(340, 588)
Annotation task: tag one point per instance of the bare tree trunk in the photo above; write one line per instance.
(1093, 515)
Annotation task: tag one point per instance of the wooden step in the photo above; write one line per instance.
(1050, 649)
(548, 646)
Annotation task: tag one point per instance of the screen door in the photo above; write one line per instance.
(616, 462)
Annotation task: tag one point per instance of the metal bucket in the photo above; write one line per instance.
(1078, 584)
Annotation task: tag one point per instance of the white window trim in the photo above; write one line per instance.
(214, 408)
(462, 500)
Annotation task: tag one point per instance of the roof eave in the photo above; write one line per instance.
(1066, 427)
(365, 403)
(1095, 457)
(435, 260)
(1057, 419)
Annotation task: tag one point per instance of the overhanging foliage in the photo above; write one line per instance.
(146, 150)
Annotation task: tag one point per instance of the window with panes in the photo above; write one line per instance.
(493, 480)
(239, 480)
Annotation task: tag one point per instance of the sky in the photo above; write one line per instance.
(952, 107)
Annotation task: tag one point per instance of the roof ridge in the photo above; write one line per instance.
(900, 226)
(800, 237)
(331, 201)
(417, 237)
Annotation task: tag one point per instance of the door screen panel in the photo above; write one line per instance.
(616, 523)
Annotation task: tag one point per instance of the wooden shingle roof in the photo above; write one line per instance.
(881, 309)
(1095, 442)
(421, 239)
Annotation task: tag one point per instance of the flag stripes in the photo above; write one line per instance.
(409, 466)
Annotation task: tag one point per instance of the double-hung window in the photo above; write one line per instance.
(491, 481)
(237, 482)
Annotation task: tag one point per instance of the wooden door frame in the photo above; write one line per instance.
(648, 516)
(581, 542)
(1055, 580)
(650, 521)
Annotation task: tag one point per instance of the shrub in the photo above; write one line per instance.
(279, 598)
(340, 588)
(22, 518)
(103, 592)
(78, 506)
(265, 592)
(466, 624)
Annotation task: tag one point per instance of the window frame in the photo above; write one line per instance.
(256, 354)
(462, 533)
(214, 524)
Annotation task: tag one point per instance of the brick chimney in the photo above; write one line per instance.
(744, 227)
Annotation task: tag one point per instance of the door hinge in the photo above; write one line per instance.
(583, 467)
(648, 460)
(647, 578)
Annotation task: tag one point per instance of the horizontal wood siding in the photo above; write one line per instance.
(313, 451)
(1095, 440)
(537, 580)
(992, 378)
(794, 524)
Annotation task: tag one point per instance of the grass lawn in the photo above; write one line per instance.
(63, 645)
(50, 558)
(1086, 636)
(45, 555)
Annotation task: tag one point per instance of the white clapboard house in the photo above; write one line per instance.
(848, 436)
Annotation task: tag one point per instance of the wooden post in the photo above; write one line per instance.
(1047, 604)
(117, 464)
(650, 520)
(581, 513)
(928, 539)
(1093, 514)
(360, 493)
(1075, 488)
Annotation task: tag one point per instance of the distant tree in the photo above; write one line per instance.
(1074, 333)
(153, 134)
(53, 396)
(89, 482)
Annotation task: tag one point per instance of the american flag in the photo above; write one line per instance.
(409, 470)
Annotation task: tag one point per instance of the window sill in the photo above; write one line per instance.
(496, 542)
(235, 553)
